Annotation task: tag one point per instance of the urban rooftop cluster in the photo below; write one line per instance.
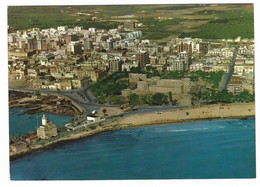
(65, 58)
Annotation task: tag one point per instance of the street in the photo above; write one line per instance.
(228, 75)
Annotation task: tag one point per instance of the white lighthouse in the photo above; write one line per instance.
(44, 120)
(47, 130)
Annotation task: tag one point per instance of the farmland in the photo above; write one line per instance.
(158, 22)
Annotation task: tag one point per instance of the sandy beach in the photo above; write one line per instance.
(208, 112)
(234, 110)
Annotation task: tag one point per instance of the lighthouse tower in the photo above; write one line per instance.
(44, 120)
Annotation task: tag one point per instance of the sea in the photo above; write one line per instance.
(212, 149)
(20, 123)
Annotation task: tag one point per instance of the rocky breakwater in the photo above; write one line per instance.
(208, 112)
(36, 103)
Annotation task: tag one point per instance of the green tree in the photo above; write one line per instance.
(104, 111)
(101, 99)
(158, 98)
(145, 99)
(174, 102)
(136, 70)
(165, 99)
(134, 98)
(116, 99)
(170, 96)
(245, 96)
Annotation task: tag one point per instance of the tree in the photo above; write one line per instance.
(149, 68)
(174, 102)
(170, 96)
(116, 99)
(136, 70)
(101, 99)
(165, 99)
(245, 96)
(104, 111)
(157, 98)
(134, 98)
(145, 99)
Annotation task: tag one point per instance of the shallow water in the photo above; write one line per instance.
(205, 149)
(21, 124)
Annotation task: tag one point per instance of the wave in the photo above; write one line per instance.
(184, 130)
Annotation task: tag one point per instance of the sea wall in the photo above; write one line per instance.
(235, 110)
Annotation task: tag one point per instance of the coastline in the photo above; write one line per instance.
(226, 111)
(215, 111)
(30, 112)
(54, 103)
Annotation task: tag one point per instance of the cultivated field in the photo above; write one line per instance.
(160, 22)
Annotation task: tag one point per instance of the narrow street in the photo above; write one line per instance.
(228, 75)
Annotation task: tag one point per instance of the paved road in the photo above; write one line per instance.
(228, 75)
(84, 99)
(82, 123)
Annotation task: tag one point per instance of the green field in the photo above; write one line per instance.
(228, 24)
(52, 16)
(155, 30)
(49, 16)
(204, 21)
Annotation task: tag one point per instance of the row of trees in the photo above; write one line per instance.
(155, 99)
(150, 71)
(226, 97)
(211, 77)
(134, 99)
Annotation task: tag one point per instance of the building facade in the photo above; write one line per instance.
(143, 58)
(47, 130)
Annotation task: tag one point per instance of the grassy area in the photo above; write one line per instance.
(52, 16)
(23, 17)
(228, 24)
(221, 21)
(155, 29)
(226, 97)
(108, 89)
(211, 77)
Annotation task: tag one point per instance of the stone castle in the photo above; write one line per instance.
(140, 84)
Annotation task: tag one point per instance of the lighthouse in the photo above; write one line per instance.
(44, 120)
(47, 130)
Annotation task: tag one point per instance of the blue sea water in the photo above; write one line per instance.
(204, 149)
(21, 124)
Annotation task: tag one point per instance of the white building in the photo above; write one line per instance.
(196, 66)
(47, 130)
(244, 69)
(62, 28)
(227, 53)
(93, 118)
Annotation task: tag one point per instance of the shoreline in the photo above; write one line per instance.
(124, 123)
(67, 140)
(44, 103)
(29, 109)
